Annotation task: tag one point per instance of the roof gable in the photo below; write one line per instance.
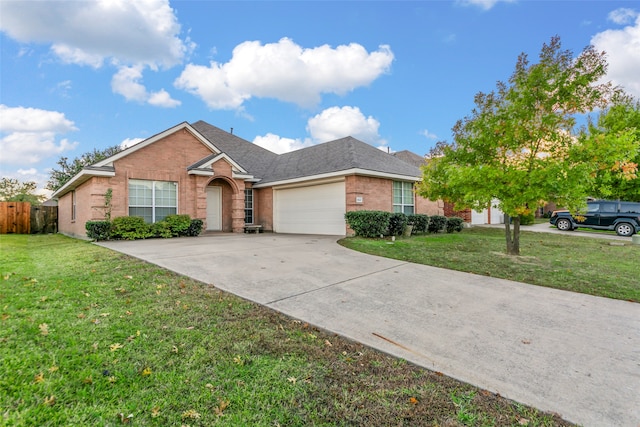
(157, 137)
(250, 157)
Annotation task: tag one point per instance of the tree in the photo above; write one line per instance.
(12, 190)
(518, 146)
(618, 128)
(67, 170)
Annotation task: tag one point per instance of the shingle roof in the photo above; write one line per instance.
(334, 156)
(339, 155)
(410, 157)
(251, 157)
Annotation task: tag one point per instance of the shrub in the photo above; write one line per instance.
(195, 227)
(98, 230)
(161, 229)
(178, 224)
(368, 223)
(437, 223)
(454, 223)
(130, 228)
(397, 223)
(527, 219)
(419, 222)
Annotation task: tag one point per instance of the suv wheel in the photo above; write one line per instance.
(564, 224)
(624, 229)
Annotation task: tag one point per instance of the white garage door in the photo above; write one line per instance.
(317, 209)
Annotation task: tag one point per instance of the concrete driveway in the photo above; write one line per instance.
(572, 354)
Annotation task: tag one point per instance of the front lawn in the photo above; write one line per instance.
(586, 265)
(89, 336)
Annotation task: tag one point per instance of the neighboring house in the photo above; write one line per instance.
(207, 173)
(490, 215)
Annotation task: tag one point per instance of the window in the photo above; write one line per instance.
(152, 200)
(73, 205)
(248, 206)
(403, 197)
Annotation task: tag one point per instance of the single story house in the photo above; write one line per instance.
(228, 182)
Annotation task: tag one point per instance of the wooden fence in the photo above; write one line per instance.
(23, 218)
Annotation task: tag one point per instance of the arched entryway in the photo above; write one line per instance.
(220, 195)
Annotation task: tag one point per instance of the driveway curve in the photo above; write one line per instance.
(568, 353)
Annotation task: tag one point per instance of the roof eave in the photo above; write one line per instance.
(80, 178)
(353, 171)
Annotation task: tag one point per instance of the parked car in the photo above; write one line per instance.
(623, 217)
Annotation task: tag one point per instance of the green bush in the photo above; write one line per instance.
(161, 229)
(130, 228)
(397, 223)
(419, 222)
(527, 219)
(437, 223)
(195, 227)
(368, 223)
(178, 224)
(98, 230)
(454, 223)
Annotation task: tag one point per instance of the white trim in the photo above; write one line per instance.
(84, 173)
(201, 172)
(184, 125)
(223, 156)
(343, 173)
(246, 177)
(310, 183)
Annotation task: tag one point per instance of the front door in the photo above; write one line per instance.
(214, 208)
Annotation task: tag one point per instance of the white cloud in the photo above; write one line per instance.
(138, 34)
(428, 134)
(71, 55)
(339, 122)
(130, 142)
(332, 123)
(623, 16)
(280, 145)
(162, 99)
(126, 82)
(30, 134)
(284, 71)
(623, 55)
(484, 4)
(21, 119)
(82, 32)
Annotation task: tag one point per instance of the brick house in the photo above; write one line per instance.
(228, 182)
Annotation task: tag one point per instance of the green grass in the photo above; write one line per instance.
(92, 337)
(587, 265)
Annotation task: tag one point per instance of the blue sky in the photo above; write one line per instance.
(78, 75)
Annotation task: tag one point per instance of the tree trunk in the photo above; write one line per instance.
(513, 241)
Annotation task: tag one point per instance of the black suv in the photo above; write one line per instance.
(623, 217)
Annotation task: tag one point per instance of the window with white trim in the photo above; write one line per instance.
(403, 200)
(152, 200)
(248, 205)
(73, 205)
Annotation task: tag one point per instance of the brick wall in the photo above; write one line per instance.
(368, 193)
(449, 211)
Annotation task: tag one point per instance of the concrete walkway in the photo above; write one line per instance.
(569, 353)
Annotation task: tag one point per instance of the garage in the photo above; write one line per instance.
(312, 209)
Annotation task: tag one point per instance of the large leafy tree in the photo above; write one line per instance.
(517, 148)
(68, 169)
(13, 190)
(617, 128)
